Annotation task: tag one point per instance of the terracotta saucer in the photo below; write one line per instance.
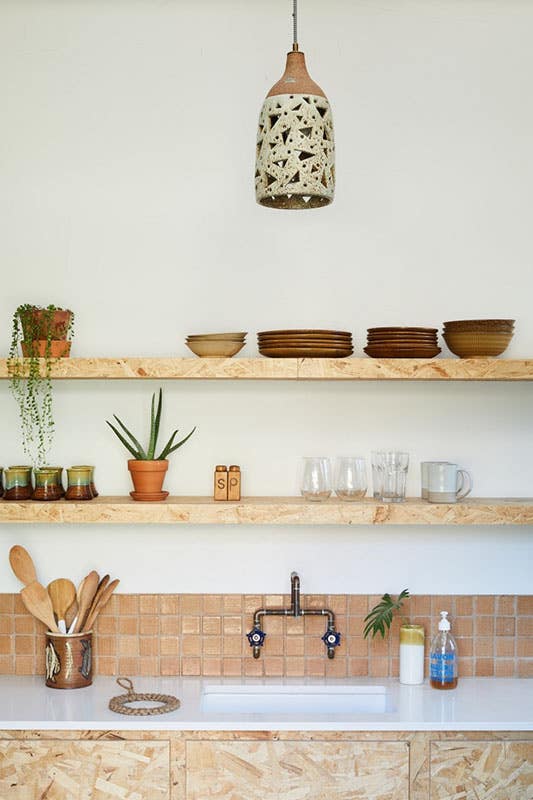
(149, 497)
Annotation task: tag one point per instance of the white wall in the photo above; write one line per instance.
(127, 136)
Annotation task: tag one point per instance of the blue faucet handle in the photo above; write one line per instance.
(331, 638)
(256, 637)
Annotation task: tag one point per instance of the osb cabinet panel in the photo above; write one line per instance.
(70, 770)
(481, 770)
(298, 770)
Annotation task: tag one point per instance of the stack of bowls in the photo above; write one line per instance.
(305, 343)
(402, 343)
(216, 345)
(471, 338)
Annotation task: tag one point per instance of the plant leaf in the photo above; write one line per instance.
(126, 444)
(170, 448)
(142, 454)
(158, 418)
(151, 444)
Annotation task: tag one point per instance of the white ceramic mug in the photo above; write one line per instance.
(424, 477)
(447, 483)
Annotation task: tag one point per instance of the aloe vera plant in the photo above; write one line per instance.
(133, 445)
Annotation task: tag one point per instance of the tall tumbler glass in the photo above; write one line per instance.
(350, 478)
(393, 467)
(316, 481)
(377, 478)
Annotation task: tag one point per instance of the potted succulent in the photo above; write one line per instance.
(148, 470)
(43, 335)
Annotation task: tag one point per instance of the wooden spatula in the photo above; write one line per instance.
(97, 607)
(62, 594)
(86, 597)
(37, 601)
(22, 564)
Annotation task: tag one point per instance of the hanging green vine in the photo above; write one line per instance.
(30, 375)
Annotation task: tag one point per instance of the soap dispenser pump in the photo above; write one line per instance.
(443, 657)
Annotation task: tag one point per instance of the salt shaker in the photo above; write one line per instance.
(221, 482)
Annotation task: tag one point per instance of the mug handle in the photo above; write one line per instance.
(466, 484)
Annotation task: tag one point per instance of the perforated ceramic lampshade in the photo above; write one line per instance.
(295, 161)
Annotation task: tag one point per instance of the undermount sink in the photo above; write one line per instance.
(297, 699)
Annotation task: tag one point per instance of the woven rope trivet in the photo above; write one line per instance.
(118, 704)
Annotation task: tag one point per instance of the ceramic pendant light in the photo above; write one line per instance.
(295, 160)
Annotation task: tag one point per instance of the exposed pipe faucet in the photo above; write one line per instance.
(331, 638)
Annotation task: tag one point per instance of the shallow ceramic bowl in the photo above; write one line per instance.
(215, 348)
(476, 345)
(231, 336)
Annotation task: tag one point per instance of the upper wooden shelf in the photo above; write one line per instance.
(306, 369)
(269, 511)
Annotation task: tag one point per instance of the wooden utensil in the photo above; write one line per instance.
(22, 564)
(62, 594)
(87, 592)
(103, 600)
(37, 601)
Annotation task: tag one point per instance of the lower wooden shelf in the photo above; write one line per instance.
(269, 511)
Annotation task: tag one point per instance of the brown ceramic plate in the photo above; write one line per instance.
(297, 341)
(404, 337)
(402, 330)
(388, 352)
(306, 332)
(305, 352)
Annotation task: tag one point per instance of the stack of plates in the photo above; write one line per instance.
(402, 343)
(468, 338)
(216, 345)
(305, 344)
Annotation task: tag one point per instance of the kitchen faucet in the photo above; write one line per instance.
(331, 638)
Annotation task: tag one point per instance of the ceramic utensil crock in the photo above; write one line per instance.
(69, 661)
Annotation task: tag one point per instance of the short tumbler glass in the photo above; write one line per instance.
(316, 481)
(393, 468)
(350, 478)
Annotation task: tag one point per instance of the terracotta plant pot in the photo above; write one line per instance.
(148, 477)
(59, 348)
(42, 323)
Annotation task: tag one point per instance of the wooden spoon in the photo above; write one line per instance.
(37, 601)
(101, 587)
(71, 615)
(104, 598)
(87, 592)
(62, 594)
(22, 564)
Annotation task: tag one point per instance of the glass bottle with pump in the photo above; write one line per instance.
(443, 657)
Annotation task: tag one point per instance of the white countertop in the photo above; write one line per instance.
(476, 704)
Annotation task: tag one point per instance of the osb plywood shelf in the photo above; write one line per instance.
(291, 369)
(269, 511)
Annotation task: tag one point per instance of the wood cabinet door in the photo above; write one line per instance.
(481, 770)
(296, 770)
(86, 770)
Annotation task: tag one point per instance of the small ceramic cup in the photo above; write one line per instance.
(18, 484)
(47, 484)
(59, 471)
(448, 483)
(69, 660)
(85, 466)
(79, 484)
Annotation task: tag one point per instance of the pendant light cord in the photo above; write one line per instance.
(295, 25)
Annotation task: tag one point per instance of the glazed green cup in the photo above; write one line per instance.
(47, 484)
(86, 466)
(18, 484)
(79, 484)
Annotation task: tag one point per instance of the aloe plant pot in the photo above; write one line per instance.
(148, 478)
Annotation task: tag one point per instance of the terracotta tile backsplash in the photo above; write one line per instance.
(205, 635)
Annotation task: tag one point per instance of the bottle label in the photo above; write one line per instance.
(442, 667)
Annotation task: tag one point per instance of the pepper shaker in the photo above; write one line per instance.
(234, 482)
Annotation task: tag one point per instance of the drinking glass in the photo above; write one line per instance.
(393, 468)
(316, 481)
(350, 478)
(376, 474)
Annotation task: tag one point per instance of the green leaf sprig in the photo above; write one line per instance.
(380, 618)
(134, 446)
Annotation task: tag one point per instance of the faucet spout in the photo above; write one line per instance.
(295, 594)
